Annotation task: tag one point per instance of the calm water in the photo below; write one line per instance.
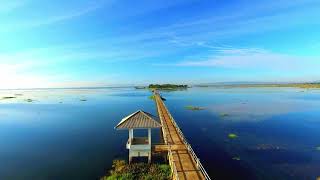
(59, 137)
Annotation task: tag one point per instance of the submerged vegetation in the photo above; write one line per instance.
(29, 100)
(140, 87)
(224, 114)
(236, 158)
(167, 86)
(268, 147)
(122, 170)
(194, 108)
(232, 136)
(14, 97)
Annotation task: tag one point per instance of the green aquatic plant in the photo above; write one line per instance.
(236, 158)
(194, 108)
(232, 136)
(152, 97)
(29, 100)
(83, 100)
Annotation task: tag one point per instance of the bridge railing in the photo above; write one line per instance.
(200, 166)
(170, 156)
(172, 164)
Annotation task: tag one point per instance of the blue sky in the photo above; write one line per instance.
(107, 42)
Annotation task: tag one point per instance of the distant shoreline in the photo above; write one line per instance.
(293, 85)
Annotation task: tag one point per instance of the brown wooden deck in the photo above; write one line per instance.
(183, 162)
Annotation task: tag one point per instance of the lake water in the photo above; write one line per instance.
(69, 133)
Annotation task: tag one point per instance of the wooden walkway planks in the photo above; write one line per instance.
(165, 148)
(184, 164)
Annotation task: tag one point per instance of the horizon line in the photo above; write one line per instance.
(192, 84)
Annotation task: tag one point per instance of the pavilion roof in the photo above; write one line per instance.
(138, 120)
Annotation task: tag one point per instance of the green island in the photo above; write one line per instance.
(122, 170)
(194, 108)
(167, 86)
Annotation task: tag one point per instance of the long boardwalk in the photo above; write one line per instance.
(182, 159)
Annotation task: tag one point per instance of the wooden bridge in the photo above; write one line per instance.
(183, 161)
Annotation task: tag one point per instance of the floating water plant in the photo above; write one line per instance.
(237, 158)
(83, 100)
(224, 114)
(140, 87)
(152, 97)
(232, 136)
(194, 108)
(8, 97)
(29, 100)
(269, 147)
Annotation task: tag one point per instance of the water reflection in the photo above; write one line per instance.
(58, 136)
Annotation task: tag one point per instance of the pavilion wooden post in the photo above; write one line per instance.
(130, 141)
(130, 134)
(149, 141)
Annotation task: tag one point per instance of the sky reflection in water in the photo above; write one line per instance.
(58, 136)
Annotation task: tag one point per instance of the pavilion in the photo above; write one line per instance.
(139, 146)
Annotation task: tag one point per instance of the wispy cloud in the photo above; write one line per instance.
(69, 14)
(254, 59)
(9, 6)
(139, 32)
(250, 19)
